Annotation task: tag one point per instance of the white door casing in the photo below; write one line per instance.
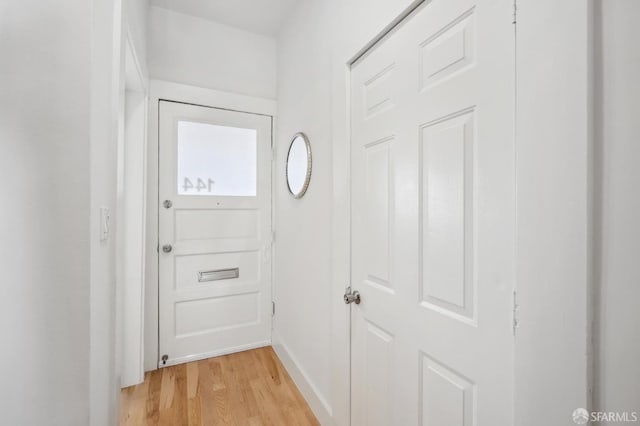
(433, 208)
(215, 282)
(131, 220)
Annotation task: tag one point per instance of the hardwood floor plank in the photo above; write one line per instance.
(267, 358)
(192, 379)
(180, 396)
(207, 406)
(194, 416)
(216, 373)
(154, 378)
(195, 412)
(125, 402)
(221, 401)
(249, 388)
(167, 388)
(243, 401)
(255, 421)
(140, 413)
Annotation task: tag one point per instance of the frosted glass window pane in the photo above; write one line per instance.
(216, 160)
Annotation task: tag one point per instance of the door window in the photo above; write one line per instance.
(216, 160)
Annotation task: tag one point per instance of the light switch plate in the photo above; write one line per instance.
(105, 218)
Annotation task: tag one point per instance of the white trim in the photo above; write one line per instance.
(137, 84)
(531, 374)
(144, 81)
(553, 166)
(227, 351)
(166, 90)
(317, 403)
(341, 248)
(341, 215)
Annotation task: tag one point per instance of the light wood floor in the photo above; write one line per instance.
(246, 388)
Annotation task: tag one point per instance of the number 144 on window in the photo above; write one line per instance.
(200, 185)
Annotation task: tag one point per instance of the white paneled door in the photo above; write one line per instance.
(214, 232)
(432, 112)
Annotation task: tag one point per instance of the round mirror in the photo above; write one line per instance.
(299, 165)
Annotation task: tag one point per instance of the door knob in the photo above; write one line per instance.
(167, 248)
(352, 296)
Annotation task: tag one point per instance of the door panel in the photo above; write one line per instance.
(433, 209)
(377, 156)
(215, 281)
(379, 369)
(447, 206)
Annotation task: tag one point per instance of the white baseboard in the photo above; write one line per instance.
(317, 403)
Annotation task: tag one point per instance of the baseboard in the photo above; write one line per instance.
(318, 405)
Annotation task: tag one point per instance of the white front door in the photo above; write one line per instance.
(214, 232)
(432, 112)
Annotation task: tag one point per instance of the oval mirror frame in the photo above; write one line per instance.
(307, 176)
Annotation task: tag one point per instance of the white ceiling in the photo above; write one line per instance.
(258, 16)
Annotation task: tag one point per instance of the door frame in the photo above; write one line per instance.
(165, 90)
(133, 125)
(568, 34)
(348, 53)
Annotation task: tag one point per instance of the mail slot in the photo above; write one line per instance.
(218, 274)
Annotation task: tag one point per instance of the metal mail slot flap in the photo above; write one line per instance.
(218, 274)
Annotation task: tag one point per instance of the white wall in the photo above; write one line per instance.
(302, 266)
(44, 222)
(59, 81)
(311, 265)
(198, 52)
(617, 370)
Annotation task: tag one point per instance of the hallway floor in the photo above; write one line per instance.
(245, 388)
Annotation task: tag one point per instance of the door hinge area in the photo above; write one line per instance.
(516, 307)
(273, 309)
(515, 13)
